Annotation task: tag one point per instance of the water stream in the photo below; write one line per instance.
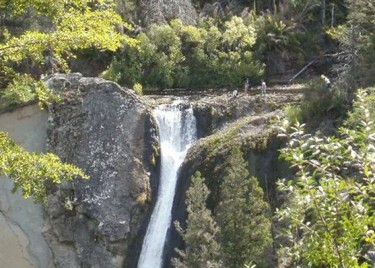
(177, 131)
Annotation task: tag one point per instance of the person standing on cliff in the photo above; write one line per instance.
(246, 85)
(326, 81)
(263, 89)
(235, 93)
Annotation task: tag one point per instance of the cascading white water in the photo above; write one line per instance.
(177, 131)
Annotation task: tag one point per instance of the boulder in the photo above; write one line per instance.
(109, 133)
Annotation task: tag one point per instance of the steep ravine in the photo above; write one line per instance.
(223, 122)
(110, 133)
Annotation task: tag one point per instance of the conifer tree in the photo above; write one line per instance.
(242, 215)
(201, 246)
(356, 37)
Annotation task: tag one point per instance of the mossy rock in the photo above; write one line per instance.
(257, 138)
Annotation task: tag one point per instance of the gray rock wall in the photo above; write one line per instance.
(162, 11)
(110, 134)
(22, 244)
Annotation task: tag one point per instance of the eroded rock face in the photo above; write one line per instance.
(109, 133)
(162, 11)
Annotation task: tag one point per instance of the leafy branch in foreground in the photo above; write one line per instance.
(72, 26)
(30, 171)
(329, 209)
(24, 89)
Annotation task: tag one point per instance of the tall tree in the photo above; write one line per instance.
(243, 216)
(357, 43)
(200, 236)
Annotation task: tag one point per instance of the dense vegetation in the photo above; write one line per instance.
(232, 41)
(238, 234)
(178, 56)
(215, 53)
(329, 210)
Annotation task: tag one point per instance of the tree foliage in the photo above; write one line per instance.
(356, 37)
(201, 245)
(174, 55)
(276, 41)
(30, 171)
(72, 25)
(243, 216)
(329, 212)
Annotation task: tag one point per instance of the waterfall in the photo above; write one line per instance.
(177, 130)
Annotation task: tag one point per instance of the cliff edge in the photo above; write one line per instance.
(109, 133)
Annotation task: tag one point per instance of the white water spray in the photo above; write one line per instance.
(177, 131)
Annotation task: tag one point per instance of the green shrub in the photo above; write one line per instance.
(328, 215)
(318, 102)
(112, 73)
(181, 56)
(138, 89)
(369, 98)
(24, 89)
(20, 90)
(293, 113)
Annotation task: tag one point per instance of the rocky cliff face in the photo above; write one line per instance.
(162, 11)
(109, 133)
